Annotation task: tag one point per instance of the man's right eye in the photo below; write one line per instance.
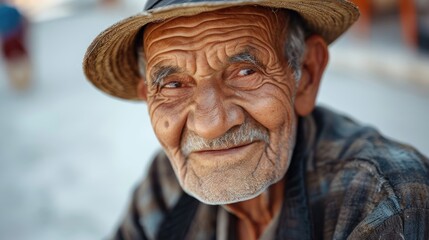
(173, 84)
(246, 72)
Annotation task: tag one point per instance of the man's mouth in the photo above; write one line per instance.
(219, 158)
(225, 150)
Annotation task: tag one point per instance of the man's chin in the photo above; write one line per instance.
(213, 200)
(220, 192)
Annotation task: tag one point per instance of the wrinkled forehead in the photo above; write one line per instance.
(268, 20)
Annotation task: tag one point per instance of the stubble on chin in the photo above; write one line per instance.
(242, 180)
(229, 181)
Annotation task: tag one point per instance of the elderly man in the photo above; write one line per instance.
(231, 89)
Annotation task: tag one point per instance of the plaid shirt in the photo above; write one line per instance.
(345, 181)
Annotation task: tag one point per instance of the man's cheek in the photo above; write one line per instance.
(168, 124)
(270, 106)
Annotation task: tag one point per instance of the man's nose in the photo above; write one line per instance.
(213, 113)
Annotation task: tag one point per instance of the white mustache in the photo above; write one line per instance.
(237, 136)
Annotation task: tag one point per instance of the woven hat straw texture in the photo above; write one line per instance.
(111, 64)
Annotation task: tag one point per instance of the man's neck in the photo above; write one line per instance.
(255, 214)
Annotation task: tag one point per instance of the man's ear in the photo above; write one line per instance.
(313, 65)
(142, 90)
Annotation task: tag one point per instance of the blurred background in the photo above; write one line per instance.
(70, 155)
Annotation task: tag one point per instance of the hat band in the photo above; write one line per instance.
(151, 4)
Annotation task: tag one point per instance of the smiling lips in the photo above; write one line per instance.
(234, 156)
(222, 151)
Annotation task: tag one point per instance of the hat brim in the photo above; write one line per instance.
(111, 64)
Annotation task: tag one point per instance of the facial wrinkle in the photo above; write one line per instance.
(203, 68)
(166, 57)
(268, 24)
(288, 125)
(269, 148)
(208, 36)
(226, 32)
(270, 83)
(269, 152)
(154, 105)
(195, 32)
(214, 61)
(221, 53)
(287, 87)
(164, 103)
(183, 170)
(257, 166)
(174, 115)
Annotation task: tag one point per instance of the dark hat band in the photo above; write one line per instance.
(151, 4)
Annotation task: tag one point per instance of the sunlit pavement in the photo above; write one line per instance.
(69, 155)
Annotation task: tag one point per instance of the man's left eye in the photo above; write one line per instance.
(246, 72)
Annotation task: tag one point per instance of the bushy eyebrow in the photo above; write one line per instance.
(162, 72)
(245, 56)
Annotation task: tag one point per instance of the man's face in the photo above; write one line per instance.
(221, 100)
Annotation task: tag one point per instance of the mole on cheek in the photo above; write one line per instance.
(166, 124)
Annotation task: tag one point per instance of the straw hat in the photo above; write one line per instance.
(110, 62)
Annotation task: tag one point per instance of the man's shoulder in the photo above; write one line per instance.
(341, 141)
(365, 181)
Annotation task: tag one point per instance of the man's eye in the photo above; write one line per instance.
(174, 84)
(246, 72)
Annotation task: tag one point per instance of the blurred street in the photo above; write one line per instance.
(70, 155)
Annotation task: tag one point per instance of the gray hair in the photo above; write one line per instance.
(294, 48)
(295, 43)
